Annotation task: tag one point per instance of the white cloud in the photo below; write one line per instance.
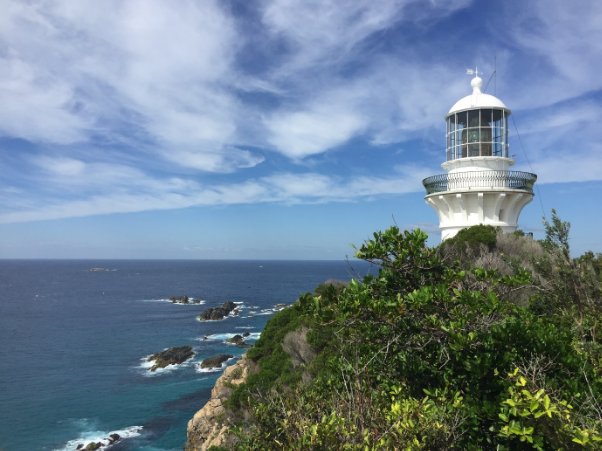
(321, 127)
(77, 69)
(37, 107)
(119, 189)
(562, 143)
(170, 87)
(215, 159)
(298, 186)
(61, 166)
(322, 34)
(325, 31)
(62, 171)
(564, 45)
(388, 98)
(564, 167)
(170, 75)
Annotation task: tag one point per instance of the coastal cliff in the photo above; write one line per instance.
(210, 425)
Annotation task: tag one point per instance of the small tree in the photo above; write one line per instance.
(557, 234)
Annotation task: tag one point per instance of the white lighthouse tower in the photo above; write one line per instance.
(478, 187)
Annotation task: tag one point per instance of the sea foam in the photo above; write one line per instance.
(194, 301)
(228, 335)
(101, 437)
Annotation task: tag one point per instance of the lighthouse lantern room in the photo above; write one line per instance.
(478, 187)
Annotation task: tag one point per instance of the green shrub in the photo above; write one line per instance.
(501, 352)
(476, 236)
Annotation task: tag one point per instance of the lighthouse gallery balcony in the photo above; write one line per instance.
(480, 180)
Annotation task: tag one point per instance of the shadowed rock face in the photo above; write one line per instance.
(209, 426)
(215, 362)
(216, 313)
(171, 356)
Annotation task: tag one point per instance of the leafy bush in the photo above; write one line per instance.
(475, 236)
(276, 366)
(433, 354)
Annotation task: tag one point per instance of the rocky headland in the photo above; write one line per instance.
(210, 425)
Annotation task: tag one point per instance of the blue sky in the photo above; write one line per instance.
(277, 129)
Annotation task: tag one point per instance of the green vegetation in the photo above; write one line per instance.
(473, 237)
(489, 341)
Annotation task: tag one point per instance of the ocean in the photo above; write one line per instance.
(73, 343)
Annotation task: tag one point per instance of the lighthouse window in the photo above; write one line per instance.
(473, 118)
(451, 130)
(498, 132)
(471, 137)
(485, 130)
(477, 133)
(461, 124)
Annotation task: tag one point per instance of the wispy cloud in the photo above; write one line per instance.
(145, 193)
(561, 142)
(129, 106)
(78, 69)
(561, 48)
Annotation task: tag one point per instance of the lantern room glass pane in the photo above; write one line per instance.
(486, 132)
(477, 133)
(449, 146)
(473, 118)
(471, 137)
(461, 120)
(461, 123)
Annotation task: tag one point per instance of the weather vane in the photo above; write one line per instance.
(474, 71)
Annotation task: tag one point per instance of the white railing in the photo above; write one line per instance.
(474, 180)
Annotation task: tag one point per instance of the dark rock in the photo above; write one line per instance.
(229, 305)
(216, 313)
(179, 299)
(171, 356)
(80, 446)
(246, 334)
(93, 446)
(215, 362)
(114, 438)
(236, 340)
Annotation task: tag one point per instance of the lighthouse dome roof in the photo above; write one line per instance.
(477, 99)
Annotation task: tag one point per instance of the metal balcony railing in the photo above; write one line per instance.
(475, 180)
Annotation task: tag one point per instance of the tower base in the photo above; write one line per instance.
(458, 210)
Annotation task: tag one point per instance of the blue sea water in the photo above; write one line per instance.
(73, 343)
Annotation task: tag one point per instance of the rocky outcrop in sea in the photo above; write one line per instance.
(237, 340)
(184, 300)
(171, 356)
(217, 313)
(93, 446)
(210, 425)
(216, 361)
